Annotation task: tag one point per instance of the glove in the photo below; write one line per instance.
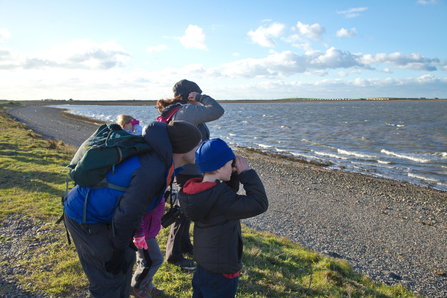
(140, 242)
(117, 263)
(134, 122)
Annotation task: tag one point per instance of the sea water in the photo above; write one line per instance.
(398, 140)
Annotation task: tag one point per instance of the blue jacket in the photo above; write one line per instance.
(144, 176)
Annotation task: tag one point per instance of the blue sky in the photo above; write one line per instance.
(232, 49)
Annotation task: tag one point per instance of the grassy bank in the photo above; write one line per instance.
(31, 184)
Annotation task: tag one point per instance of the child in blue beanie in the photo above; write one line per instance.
(213, 204)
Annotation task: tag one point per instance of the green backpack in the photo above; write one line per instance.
(105, 148)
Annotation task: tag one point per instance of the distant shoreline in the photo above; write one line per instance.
(154, 102)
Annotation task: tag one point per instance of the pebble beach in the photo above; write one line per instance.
(393, 232)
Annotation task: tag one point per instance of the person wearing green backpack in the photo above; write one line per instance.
(103, 226)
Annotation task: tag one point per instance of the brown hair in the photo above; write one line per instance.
(163, 103)
(124, 119)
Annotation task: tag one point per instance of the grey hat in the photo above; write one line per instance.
(184, 87)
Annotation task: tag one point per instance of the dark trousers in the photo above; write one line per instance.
(211, 285)
(179, 241)
(94, 248)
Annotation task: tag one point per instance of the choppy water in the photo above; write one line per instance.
(399, 140)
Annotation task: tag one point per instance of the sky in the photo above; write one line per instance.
(131, 49)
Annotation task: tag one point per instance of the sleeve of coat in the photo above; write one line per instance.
(253, 203)
(210, 110)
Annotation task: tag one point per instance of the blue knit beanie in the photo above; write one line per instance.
(213, 154)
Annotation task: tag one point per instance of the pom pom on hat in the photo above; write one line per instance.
(184, 87)
(184, 136)
(213, 154)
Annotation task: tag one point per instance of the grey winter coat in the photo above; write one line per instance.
(210, 110)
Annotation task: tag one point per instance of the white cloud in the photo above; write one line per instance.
(263, 36)
(298, 42)
(288, 63)
(337, 88)
(159, 48)
(235, 54)
(4, 34)
(313, 32)
(425, 2)
(352, 12)
(386, 70)
(194, 38)
(346, 33)
(317, 73)
(304, 45)
(347, 73)
(397, 60)
(78, 54)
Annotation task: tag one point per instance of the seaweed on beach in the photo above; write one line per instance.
(285, 156)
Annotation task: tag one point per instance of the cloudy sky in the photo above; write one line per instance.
(247, 49)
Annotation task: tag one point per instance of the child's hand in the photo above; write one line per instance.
(241, 164)
(134, 122)
(140, 242)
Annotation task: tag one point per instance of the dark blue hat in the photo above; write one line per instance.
(213, 154)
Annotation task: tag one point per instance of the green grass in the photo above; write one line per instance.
(31, 184)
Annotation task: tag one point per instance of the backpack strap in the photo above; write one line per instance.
(167, 119)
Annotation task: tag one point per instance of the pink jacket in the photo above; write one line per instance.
(151, 223)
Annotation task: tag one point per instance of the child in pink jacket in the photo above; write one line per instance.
(149, 256)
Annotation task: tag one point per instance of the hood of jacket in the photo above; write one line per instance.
(156, 135)
(197, 206)
(168, 110)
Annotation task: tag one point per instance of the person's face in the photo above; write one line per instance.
(128, 126)
(225, 171)
(190, 157)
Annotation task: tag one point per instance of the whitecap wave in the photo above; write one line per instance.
(263, 145)
(413, 158)
(317, 144)
(383, 162)
(330, 155)
(356, 154)
(422, 177)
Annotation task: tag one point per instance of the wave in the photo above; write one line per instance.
(330, 155)
(316, 144)
(263, 145)
(422, 177)
(384, 162)
(416, 159)
(441, 154)
(346, 152)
